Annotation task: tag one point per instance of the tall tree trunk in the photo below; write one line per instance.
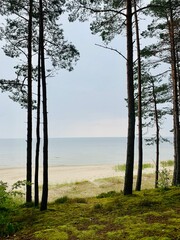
(36, 181)
(128, 185)
(29, 113)
(140, 138)
(45, 119)
(157, 136)
(178, 70)
(176, 177)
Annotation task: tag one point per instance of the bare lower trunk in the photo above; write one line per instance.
(128, 185)
(36, 181)
(157, 136)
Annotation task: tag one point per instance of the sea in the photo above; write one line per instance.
(79, 151)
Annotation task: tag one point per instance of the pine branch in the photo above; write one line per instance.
(112, 49)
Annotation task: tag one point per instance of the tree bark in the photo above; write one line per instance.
(128, 185)
(29, 111)
(36, 191)
(140, 138)
(45, 119)
(176, 177)
(157, 136)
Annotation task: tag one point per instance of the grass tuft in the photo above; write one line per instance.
(107, 195)
(62, 200)
(147, 165)
(168, 163)
(120, 168)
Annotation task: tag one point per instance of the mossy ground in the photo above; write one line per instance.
(97, 210)
(147, 215)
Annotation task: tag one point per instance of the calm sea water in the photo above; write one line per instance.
(78, 151)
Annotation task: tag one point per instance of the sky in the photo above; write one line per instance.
(87, 102)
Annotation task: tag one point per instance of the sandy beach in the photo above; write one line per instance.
(78, 181)
(62, 174)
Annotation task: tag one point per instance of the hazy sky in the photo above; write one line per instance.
(87, 102)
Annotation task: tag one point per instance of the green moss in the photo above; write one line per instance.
(156, 238)
(108, 194)
(88, 234)
(149, 214)
(82, 182)
(52, 234)
(78, 200)
(97, 206)
(61, 200)
(115, 235)
(96, 227)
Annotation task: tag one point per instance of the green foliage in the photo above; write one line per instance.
(8, 204)
(108, 21)
(164, 179)
(6, 195)
(59, 53)
(3, 193)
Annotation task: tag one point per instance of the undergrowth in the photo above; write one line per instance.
(146, 215)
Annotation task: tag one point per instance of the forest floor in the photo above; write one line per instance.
(97, 210)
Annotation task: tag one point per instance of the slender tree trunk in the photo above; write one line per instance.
(45, 119)
(157, 136)
(36, 192)
(176, 177)
(29, 113)
(175, 152)
(140, 138)
(128, 185)
(178, 70)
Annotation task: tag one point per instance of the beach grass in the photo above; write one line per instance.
(147, 165)
(122, 167)
(168, 163)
